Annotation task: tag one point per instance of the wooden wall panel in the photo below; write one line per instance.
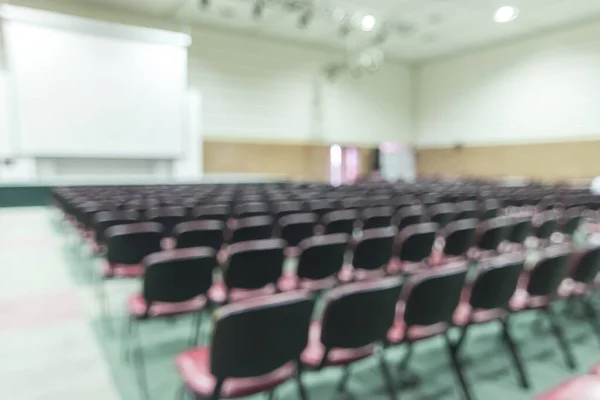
(296, 161)
(543, 161)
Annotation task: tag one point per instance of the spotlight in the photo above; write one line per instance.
(506, 14)
(259, 8)
(367, 23)
(305, 18)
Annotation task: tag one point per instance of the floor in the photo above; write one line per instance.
(54, 344)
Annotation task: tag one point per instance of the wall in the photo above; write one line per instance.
(274, 93)
(510, 106)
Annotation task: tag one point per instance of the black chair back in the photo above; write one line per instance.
(254, 337)
(341, 221)
(521, 229)
(442, 214)
(433, 296)
(203, 233)
(106, 219)
(252, 228)
(322, 256)
(377, 217)
(460, 237)
(129, 244)
(254, 264)
(374, 249)
(493, 232)
(175, 276)
(496, 282)
(359, 314)
(415, 242)
(549, 272)
(586, 265)
(295, 228)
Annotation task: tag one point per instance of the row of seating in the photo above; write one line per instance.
(260, 342)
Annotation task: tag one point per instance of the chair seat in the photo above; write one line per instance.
(137, 306)
(292, 282)
(218, 292)
(313, 354)
(465, 314)
(123, 271)
(522, 300)
(194, 368)
(398, 333)
(397, 266)
(582, 388)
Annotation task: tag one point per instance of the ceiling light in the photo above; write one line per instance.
(506, 14)
(367, 23)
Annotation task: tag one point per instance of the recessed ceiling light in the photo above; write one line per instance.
(506, 14)
(367, 23)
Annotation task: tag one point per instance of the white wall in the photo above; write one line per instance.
(254, 89)
(537, 90)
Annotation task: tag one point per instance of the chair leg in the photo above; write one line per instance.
(272, 395)
(515, 355)
(196, 327)
(126, 337)
(463, 336)
(217, 391)
(563, 344)
(457, 369)
(104, 313)
(139, 363)
(592, 316)
(342, 385)
(387, 376)
(301, 388)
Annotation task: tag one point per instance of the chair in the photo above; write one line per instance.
(284, 208)
(541, 289)
(320, 261)
(256, 346)
(522, 228)
(373, 252)
(175, 282)
(254, 268)
(295, 228)
(442, 214)
(167, 217)
(545, 225)
(341, 221)
(571, 220)
(203, 233)
(408, 216)
(490, 209)
(413, 247)
(377, 217)
(355, 320)
(252, 228)
(219, 212)
(578, 287)
(106, 219)
(427, 304)
(466, 210)
(490, 234)
(253, 209)
(459, 238)
(487, 300)
(127, 245)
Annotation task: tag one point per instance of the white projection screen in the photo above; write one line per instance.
(86, 88)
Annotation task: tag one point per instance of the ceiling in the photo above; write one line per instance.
(411, 30)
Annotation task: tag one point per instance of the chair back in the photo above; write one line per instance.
(415, 242)
(254, 337)
(549, 272)
(254, 264)
(586, 265)
(431, 297)
(295, 228)
(203, 233)
(341, 221)
(496, 282)
(129, 244)
(359, 314)
(252, 228)
(322, 256)
(374, 249)
(460, 237)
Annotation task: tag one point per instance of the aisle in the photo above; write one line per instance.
(47, 346)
